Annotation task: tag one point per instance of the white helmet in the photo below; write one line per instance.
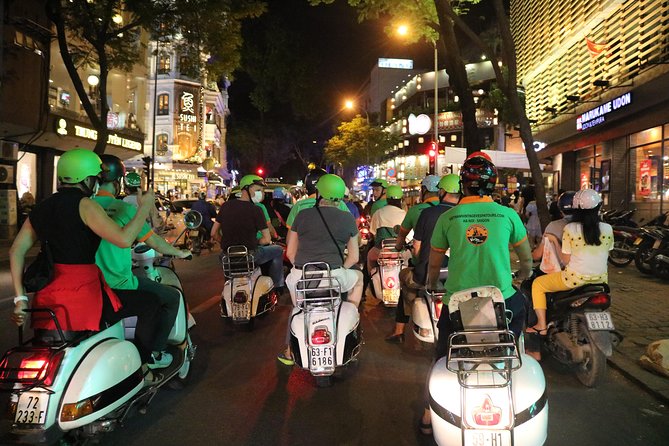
(347, 192)
(587, 199)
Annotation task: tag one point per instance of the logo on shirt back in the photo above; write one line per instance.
(477, 234)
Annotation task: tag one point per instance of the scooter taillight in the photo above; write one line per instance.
(240, 297)
(31, 367)
(600, 299)
(320, 336)
(437, 309)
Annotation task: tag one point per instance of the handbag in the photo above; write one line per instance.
(40, 272)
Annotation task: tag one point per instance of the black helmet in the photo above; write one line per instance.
(478, 175)
(312, 178)
(202, 196)
(115, 169)
(566, 202)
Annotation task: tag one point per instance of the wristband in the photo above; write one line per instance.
(18, 299)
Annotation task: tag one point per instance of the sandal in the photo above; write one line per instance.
(536, 332)
(425, 428)
(285, 359)
(152, 378)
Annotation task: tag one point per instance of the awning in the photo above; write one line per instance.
(457, 155)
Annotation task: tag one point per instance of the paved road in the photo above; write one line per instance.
(240, 395)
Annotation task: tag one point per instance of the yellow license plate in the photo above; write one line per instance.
(638, 241)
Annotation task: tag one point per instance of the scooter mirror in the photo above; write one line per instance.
(192, 219)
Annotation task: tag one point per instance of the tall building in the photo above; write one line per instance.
(595, 75)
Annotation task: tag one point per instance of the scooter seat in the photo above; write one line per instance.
(51, 337)
(591, 288)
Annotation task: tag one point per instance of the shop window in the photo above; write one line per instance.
(646, 137)
(161, 144)
(163, 104)
(648, 172)
(164, 64)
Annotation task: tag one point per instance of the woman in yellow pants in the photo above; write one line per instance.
(585, 248)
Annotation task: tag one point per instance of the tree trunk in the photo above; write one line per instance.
(455, 67)
(103, 131)
(511, 92)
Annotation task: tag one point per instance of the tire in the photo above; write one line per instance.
(660, 269)
(593, 369)
(643, 256)
(621, 260)
(323, 381)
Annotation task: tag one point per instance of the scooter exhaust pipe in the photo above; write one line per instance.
(564, 340)
(662, 258)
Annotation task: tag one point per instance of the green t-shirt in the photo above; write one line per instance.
(414, 211)
(305, 204)
(115, 262)
(478, 232)
(265, 214)
(377, 205)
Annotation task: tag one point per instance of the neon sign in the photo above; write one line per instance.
(597, 115)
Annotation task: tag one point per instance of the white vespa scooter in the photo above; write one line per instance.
(486, 391)
(325, 331)
(247, 293)
(386, 279)
(81, 384)
(426, 311)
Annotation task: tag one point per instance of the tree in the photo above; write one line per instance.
(357, 142)
(105, 34)
(428, 21)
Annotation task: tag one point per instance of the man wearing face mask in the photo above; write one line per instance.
(240, 219)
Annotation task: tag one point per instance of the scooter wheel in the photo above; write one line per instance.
(323, 381)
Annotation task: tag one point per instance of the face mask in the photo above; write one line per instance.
(257, 196)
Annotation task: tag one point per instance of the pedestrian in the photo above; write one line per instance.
(532, 222)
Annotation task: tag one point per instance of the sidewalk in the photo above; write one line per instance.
(640, 312)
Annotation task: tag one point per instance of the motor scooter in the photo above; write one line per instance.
(426, 312)
(78, 385)
(325, 331)
(386, 278)
(247, 293)
(486, 391)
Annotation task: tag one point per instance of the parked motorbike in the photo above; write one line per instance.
(325, 331)
(659, 262)
(247, 293)
(649, 242)
(486, 391)
(78, 385)
(386, 278)
(624, 246)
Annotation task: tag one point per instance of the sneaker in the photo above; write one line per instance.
(285, 359)
(160, 360)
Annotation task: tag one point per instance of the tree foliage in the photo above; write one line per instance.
(357, 142)
(105, 35)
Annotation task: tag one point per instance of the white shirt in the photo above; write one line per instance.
(386, 217)
(587, 262)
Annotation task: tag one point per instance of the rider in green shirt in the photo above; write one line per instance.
(310, 183)
(379, 187)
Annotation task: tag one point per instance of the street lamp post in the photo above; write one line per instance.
(349, 104)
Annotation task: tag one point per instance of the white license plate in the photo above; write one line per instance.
(31, 408)
(599, 320)
(240, 311)
(322, 357)
(487, 438)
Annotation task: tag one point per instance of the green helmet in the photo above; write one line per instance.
(450, 183)
(76, 165)
(132, 179)
(394, 191)
(250, 180)
(331, 187)
(379, 182)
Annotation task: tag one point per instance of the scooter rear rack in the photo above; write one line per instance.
(237, 262)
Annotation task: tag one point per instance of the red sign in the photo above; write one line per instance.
(585, 181)
(644, 177)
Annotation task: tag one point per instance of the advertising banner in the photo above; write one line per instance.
(644, 177)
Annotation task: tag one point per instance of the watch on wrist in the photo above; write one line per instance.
(18, 299)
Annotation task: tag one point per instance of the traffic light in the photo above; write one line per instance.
(432, 151)
(148, 162)
(260, 171)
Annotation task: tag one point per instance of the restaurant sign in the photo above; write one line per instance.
(65, 127)
(597, 115)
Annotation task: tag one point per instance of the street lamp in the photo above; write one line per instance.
(350, 105)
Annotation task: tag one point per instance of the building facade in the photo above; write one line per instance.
(595, 75)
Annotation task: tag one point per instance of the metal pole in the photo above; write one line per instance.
(435, 124)
(368, 125)
(155, 112)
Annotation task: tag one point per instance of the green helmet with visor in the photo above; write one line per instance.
(75, 165)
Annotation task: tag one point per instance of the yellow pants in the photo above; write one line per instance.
(546, 284)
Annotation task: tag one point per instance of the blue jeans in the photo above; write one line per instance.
(272, 254)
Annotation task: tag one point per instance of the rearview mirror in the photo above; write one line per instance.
(192, 219)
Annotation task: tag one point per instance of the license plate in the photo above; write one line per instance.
(657, 244)
(638, 240)
(322, 357)
(600, 320)
(31, 408)
(487, 438)
(240, 311)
